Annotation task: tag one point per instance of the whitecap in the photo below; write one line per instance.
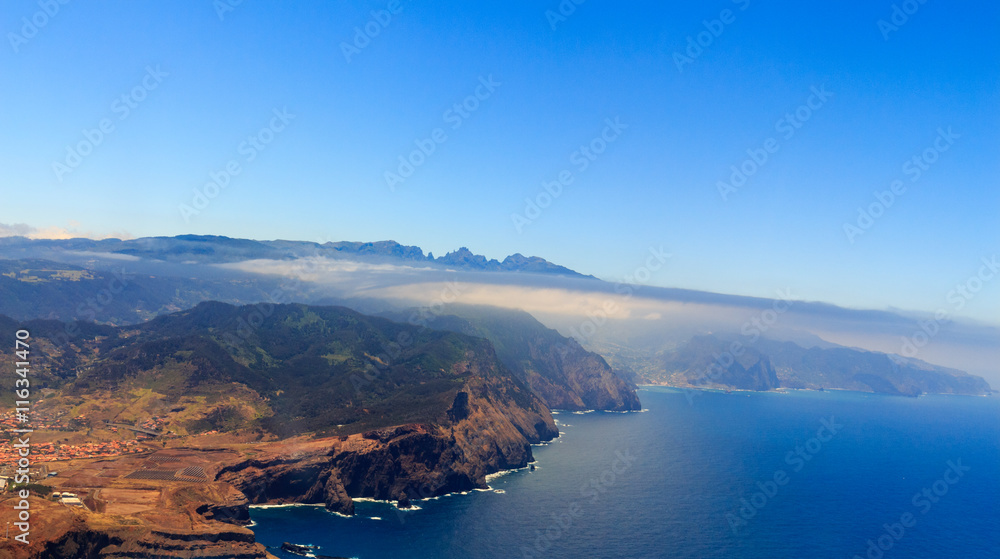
(501, 473)
(287, 505)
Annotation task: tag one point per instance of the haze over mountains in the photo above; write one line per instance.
(211, 249)
(303, 373)
(630, 324)
(770, 364)
(346, 406)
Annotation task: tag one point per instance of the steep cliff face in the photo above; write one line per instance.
(763, 375)
(562, 373)
(298, 369)
(358, 406)
(759, 376)
(220, 541)
(495, 422)
(175, 531)
(569, 377)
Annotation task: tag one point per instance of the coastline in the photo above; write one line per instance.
(788, 389)
(414, 503)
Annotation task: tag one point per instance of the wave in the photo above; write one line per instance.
(286, 505)
(393, 504)
(501, 473)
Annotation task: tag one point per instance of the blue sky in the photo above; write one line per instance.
(216, 81)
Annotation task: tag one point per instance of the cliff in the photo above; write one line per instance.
(561, 372)
(759, 376)
(174, 531)
(296, 405)
(491, 424)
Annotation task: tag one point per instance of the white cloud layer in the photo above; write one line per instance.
(54, 232)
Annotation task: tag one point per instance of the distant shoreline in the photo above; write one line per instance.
(781, 389)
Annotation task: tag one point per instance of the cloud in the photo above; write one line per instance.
(16, 230)
(107, 255)
(545, 300)
(330, 271)
(647, 315)
(663, 320)
(53, 232)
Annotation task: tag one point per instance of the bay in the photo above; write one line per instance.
(740, 475)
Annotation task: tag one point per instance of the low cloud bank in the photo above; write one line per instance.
(652, 316)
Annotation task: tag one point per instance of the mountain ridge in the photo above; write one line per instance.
(223, 249)
(560, 371)
(707, 361)
(310, 405)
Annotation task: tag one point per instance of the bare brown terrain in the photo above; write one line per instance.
(190, 497)
(157, 503)
(167, 435)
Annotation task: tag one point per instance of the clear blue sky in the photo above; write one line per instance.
(323, 176)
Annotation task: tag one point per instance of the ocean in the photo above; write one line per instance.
(742, 475)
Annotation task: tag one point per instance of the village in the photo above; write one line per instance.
(75, 462)
(51, 452)
(54, 451)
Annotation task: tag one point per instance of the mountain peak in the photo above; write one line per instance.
(215, 249)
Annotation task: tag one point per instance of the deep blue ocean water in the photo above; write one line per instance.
(671, 482)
